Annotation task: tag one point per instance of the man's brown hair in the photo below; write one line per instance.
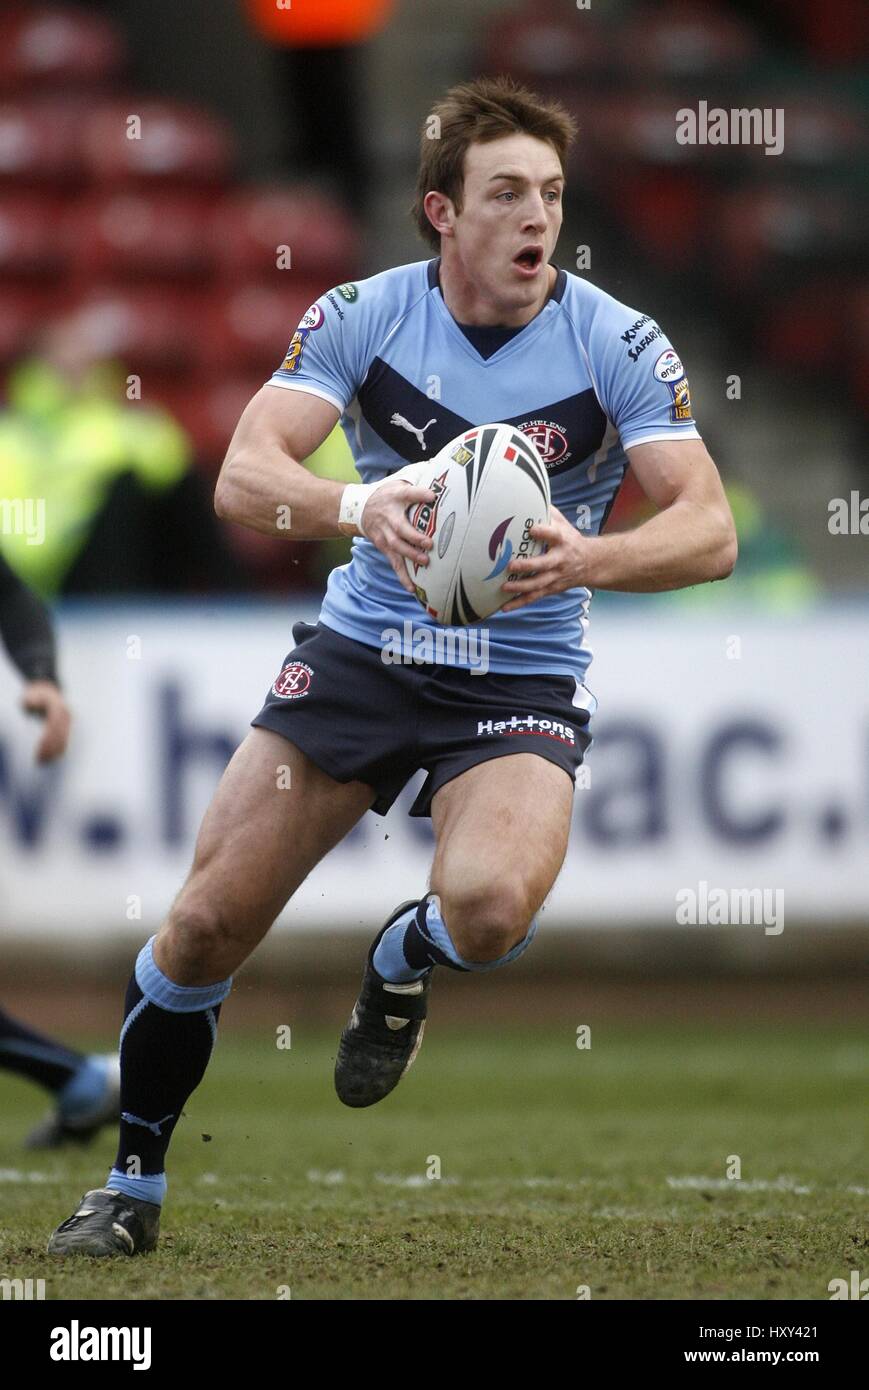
(485, 109)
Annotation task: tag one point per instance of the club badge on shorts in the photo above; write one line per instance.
(293, 682)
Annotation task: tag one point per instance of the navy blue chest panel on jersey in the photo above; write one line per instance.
(416, 427)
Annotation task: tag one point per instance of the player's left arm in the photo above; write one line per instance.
(690, 540)
(27, 634)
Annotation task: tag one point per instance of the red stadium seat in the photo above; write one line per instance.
(684, 38)
(141, 234)
(209, 411)
(819, 134)
(755, 229)
(805, 331)
(249, 226)
(31, 240)
(144, 329)
(24, 314)
(143, 141)
(40, 142)
(835, 33)
(664, 214)
(250, 328)
(639, 129)
(543, 42)
(51, 46)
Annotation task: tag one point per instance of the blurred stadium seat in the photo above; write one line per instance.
(140, 234)
(24, 313)
(32, 244)
(682, 39)
(805, 329)
(209, 410)
(243, 326)
(775, 231)
(665, 211)
(173, 143)
(249, 226)
(542, 41)
(40, 142)
(57, 46)
(144, 327)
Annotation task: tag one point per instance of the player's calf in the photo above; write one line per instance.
(167, 1038)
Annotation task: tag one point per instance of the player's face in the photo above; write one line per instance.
(511, 216)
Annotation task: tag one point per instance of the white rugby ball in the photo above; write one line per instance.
(491, 486)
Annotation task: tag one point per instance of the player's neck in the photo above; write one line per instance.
(467, 306)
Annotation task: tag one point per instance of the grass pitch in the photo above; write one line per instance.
(559, 1168)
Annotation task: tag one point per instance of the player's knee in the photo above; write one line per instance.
(195, 944)
(485, 923)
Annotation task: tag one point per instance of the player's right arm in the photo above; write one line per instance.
(265, 485)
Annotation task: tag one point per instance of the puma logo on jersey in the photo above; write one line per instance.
(406, 425)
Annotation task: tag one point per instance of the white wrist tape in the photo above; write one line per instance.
(355, 495)
(353, 500)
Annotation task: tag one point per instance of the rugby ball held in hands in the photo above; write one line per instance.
(490, 487)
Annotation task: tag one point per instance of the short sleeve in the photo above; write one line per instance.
(326, 353)
(641, 382)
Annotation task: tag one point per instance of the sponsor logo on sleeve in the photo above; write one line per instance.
(293, 359)
(312, 318)
(681, 407)
(348, 292)
(669, 370)
(668, 367)
(637, 339)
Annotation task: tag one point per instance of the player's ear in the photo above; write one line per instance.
(440, 212)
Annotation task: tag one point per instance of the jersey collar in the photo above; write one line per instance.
(518, 339)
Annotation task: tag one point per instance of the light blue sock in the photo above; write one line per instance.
(431, 943)
(150, 1187)
(389, 960)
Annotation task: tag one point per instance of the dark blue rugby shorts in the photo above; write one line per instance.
(360, 718)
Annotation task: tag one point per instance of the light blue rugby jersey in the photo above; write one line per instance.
(586, 378)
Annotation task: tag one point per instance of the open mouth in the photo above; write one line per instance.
(529, 258)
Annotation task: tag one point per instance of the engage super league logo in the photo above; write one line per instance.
(500, 549)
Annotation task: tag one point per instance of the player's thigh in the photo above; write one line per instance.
(274, 816)
(501, 830)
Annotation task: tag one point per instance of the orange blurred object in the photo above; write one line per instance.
(318, 22)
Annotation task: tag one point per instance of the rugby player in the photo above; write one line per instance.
(486, 330)
(85, 1086)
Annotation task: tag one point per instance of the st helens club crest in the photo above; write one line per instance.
(293, 682)
(549, 438)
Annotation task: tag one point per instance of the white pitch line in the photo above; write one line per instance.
(741, 1184)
